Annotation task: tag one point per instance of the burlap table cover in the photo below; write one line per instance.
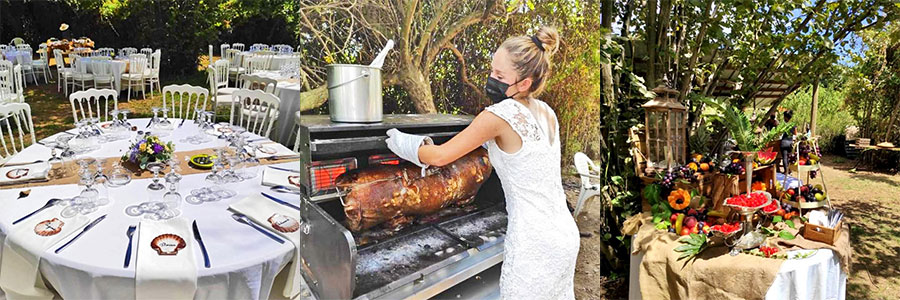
(712, 275)
(110, 162)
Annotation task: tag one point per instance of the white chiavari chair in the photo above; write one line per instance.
(93, 103)
(183, 100)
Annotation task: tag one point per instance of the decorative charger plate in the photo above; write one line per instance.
(202, 161)
(17, 173)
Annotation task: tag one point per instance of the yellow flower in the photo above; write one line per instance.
(143, 147)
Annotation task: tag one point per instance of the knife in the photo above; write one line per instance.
(284, 169)
(202, 246)
(182, 123)
(86, 228)
(282, 202)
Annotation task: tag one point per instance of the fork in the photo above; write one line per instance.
(130, 233)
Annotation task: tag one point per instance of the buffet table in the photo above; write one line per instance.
(656, 272)
(244, 262)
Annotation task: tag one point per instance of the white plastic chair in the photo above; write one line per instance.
(127, 51)
(237, 46)
(147, 51)
(7, 86)
(151, 74)
(25, 60)
(12, 84)
(258, 110)
(63, 73)
(183, 100)
(43, 65)
(16, 127)
(88, 103)
(259, 63)
(254, 82)
(81, 76)
(23, 47)
(102, 72)
(584, 165)
(135, 76)
(235, 59)
(222, 49)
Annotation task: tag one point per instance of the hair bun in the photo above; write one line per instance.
(550, 38)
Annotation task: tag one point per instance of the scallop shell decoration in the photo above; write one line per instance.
(294, 180)
(284, 223)
(167, 244)
(49, 227)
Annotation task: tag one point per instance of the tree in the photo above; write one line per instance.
(421, 30)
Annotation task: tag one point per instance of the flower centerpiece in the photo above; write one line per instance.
(147, 150)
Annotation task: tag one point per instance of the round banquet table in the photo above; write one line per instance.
(244, 262)
(288, 92)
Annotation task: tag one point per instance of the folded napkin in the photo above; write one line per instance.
(272, 149)
(274, 177)
(165, 260)
(23, 173)
(24, 246)
(281, 220)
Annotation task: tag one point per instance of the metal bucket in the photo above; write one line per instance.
(354, 93)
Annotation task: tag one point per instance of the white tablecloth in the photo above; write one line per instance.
(118, 68)
(289, 94)
(244, 262)
(277, 60)
(816, 277)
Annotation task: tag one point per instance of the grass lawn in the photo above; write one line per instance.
(52, 112)
(870, 201)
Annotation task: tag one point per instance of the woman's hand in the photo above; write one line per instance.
(407, 146)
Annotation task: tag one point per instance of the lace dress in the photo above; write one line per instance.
(542, 239)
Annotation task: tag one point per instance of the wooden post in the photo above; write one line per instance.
(815, 108)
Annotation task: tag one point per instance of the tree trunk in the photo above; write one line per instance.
(419, 88)
(815, 108)
(651, 44)
(313, 98)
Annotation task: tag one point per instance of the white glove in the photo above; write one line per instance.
(406, 146)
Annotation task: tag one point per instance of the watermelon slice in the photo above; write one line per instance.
(765, 157)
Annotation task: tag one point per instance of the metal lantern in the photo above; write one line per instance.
(665, 130)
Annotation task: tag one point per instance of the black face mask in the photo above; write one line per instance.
(496, 89)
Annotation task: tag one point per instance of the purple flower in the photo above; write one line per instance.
(157, 148)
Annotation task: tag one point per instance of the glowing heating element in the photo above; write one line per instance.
(323, 173)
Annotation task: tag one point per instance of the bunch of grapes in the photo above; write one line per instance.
(733, 168)
(676, 173)
(804, 149)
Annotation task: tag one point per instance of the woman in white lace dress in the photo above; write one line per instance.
(522, 137)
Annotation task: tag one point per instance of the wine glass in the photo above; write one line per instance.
(118, 177)
(87, 179)
(165, 123)
(155, 119)
(99, 177)
(172, 198)
(155, 167)
(215, 176)
(125, 113)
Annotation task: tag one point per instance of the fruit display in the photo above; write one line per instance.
(768, 251)
(759, 186)
(701, 163)
(805, 193)
(807, 151)
(766, 156)
(772, 208)
(691, 221)
(733, 167)
(679, 199)
(752, 200)
(678, 173)
(726, 229)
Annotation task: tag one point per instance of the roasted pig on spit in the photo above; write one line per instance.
(397, 193)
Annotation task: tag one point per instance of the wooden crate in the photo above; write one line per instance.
(822, 234)
(764, 174)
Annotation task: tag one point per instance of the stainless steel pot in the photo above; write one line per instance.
(354, 93)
